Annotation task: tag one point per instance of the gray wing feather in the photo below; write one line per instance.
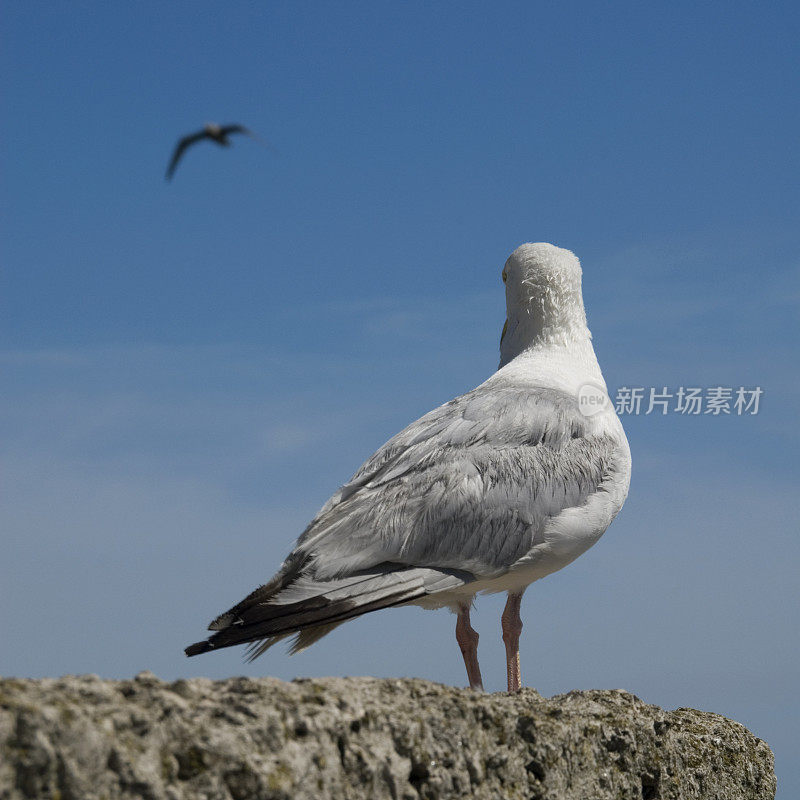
(461, 493)
(467, 486)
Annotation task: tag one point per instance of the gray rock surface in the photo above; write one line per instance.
(83, 738)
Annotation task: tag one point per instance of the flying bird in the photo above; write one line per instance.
(491, 491)
(212, 132)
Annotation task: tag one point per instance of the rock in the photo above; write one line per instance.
(83, 738)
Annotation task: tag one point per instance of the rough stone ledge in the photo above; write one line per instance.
(83, 738)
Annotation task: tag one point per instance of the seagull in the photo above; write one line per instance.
(487, 493)
(212, 132)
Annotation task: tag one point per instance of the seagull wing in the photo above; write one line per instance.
(469, 486)
(464, 492)
(180, 149)
(229, 129)
(226, 130)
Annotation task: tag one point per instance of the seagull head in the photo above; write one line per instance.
(544, 302)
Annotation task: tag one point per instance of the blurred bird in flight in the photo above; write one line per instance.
(212, 132)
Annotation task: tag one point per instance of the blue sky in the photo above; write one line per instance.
(190, 369)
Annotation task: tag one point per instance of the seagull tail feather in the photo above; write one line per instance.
(309, 608)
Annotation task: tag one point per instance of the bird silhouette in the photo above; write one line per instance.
(212, 132)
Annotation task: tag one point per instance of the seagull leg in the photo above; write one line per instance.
(512, 628)
(467, 639)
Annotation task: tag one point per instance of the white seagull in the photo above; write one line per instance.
(487, 493)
